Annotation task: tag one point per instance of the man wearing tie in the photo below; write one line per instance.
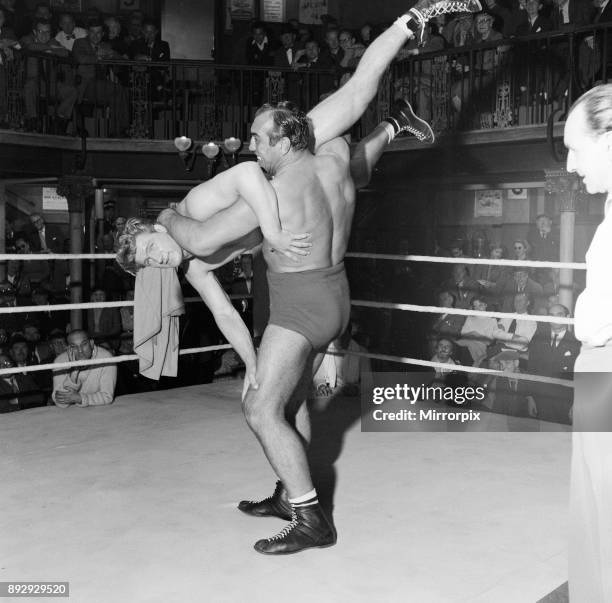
(44, 238)
(68, 32)
(284, 57)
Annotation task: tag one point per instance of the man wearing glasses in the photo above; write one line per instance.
(90, 385)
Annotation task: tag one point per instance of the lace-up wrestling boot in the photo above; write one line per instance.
(404, 119)
(276, 505)
(309, 528)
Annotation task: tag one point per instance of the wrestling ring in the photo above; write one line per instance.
(136, 501)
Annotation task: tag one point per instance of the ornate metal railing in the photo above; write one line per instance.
(518, 81)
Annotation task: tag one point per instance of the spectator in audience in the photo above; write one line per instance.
(27, 274)
(444, 355)
(40, 350)
(341, 373)
(459, 31)
(366, 34)
(48, 320)
(118, 226)
(104, 324)
(304, 35)
(481, 81)
(18, 391)
(135, 28)
(552, 353)
(601, 41)
(150, 47)
(332, 46)
(95, 85)
(477, 332)
(44, 238)
(492, 278)
(57, 342)
(534, 22)
(311, 58)
(521, 283)
(259, 49)
(68, 31)
(84, 385)
(542, 241)
(513, 334)
(8, 299)
(449, 327)
(507, 18)
(115, 37)
(41, 41)
(20, 352)
(512, 397)
(285, 55)
(521, 249)
(463, 288)
(353, 51)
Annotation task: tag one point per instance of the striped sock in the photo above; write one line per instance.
(306, 500)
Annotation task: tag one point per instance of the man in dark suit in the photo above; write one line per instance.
(95, 84)
(150, 47)
(310, 58)
(601, 14)
(44, 238)
(545, 248)
(521, 283)
(552, 353)
(18, 391)
(258, 48)
(284, 57)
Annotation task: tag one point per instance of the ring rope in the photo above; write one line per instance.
(459, 368)
(92, 305)
(374, 256)
(477, 261)
(462, 312)
(98, 361)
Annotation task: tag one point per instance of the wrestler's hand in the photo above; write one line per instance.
(250, 381)
(290, 245)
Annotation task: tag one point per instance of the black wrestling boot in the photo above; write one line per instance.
(404, 119)
(309, 528)
(276, 505)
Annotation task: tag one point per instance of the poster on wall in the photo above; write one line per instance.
(273, 11)
(71, 6)
(311, 11)
(51, 201)
(488, 203)
(242, 10)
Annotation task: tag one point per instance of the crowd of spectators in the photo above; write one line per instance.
(538, 68)
(82, 42)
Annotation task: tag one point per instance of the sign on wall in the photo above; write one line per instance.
(311, 11)
(51, 201)
(488, 203)
(273, 11)
(242, 10)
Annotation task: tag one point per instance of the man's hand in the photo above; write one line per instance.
(65, 397)
(250, 380)
(74, 373)
(324, 390)
(290, 245)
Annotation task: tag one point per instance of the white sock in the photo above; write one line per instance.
(402, 23)
(389, 129)
(309, 498)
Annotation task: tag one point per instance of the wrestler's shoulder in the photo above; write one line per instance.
(337, 146)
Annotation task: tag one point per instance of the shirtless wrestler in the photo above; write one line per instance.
(310, 169)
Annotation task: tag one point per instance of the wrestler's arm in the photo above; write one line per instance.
(242, 182)
(229, 321)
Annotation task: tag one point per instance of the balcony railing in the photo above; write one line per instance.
(517, 81)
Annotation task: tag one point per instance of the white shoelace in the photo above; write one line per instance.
(285, 531)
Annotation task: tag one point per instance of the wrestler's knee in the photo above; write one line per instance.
(259, 410)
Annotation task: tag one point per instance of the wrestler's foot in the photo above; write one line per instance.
(276, 505)
(404, 119)
(309, 528)
(424, 10)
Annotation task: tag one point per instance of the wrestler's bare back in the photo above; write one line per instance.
(316, 195)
